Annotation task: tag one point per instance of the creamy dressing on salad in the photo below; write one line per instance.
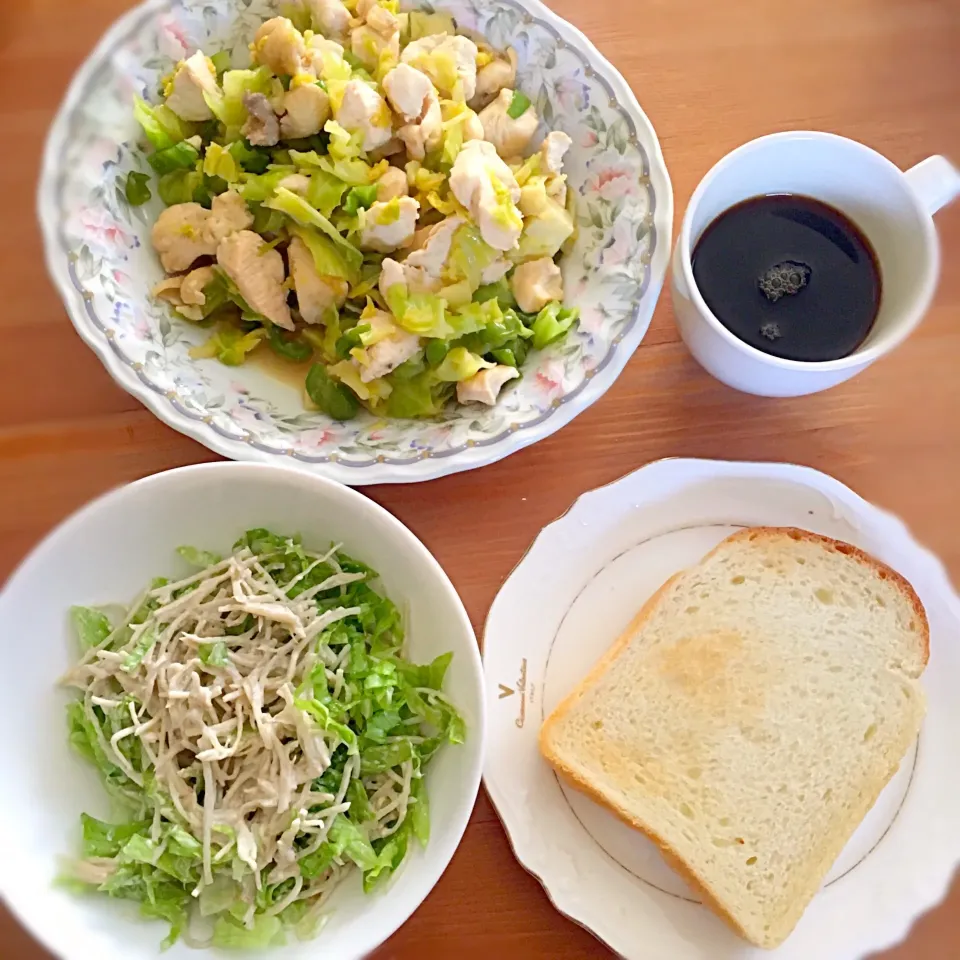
(259, 722)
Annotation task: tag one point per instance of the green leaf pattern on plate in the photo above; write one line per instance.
(113, 267)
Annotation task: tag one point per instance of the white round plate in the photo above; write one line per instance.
(100, 256)
(581, 582)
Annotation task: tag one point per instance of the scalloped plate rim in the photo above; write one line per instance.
(416, 470)
(531, 852)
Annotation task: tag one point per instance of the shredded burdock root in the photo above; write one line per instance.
(262, 732)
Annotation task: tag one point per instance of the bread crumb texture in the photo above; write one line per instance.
(750, 716)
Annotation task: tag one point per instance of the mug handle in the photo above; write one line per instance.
(936, 181)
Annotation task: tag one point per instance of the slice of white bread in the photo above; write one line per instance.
(750, 715)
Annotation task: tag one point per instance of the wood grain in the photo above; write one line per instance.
(710, 76)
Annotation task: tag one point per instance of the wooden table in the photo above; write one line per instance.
(710, 75)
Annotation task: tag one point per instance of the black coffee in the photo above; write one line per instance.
(790, 276)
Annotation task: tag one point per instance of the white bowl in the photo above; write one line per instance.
(99, 254)
(106, 553)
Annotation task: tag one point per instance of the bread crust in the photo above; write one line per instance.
(847, 549)
(697, 882)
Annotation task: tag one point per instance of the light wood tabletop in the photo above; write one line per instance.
(710, 76)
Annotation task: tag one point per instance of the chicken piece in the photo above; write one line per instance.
(330, 17)
(185, 291)
(472, 127)
(193, 77)
(316, 295)
(258, 274)
(368, 44)
(280, 47)
(424, 136)
(393, 346)
(422, 270)
(296, 183)
(191, 290)
(535, 283)
(392, 183)
(435, 55)
(324, 56)
(261, 128)
(407, 91)
(486, 186)
(228, 214)
(492, 78)
(495, 271)
(432, 248)
(533, 197)
(378, 33)
(386, 226)
(363, 109)
(510, 137)
(378, 18)
(180, 236)
(306, 110)
(485, 386)
(556, 190)
(415, 279)
(169, 289)
(552, 151)
(391, 274)
(386, 355)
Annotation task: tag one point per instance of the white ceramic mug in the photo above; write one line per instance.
(893, 209)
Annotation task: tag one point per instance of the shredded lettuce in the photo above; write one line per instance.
(383, 710)
(228, 106)
(429, 24)
(257, 188)
(180, 186)
(230, 345)
(333, 398)
(290, 347)
(199, 558)
(327, 257)
(136, 189)
(180, 156)
(461, 364)
(220, 162)
(229, 933)
(91, 626)
(499, 291)
(221, 62)
(422, 395)
(325, 191)
(301, 212)
(162, 127)
(519, 105)
(545, 233)
(249, 159)
(424, 314)
(470, 255)
(359, 198)
(332, 195)
(552, 323)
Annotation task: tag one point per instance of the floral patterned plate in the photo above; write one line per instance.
(99, 254)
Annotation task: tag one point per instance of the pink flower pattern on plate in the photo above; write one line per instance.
(112, 258)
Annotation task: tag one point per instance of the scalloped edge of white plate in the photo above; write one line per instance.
(871, 908)
(428, 468)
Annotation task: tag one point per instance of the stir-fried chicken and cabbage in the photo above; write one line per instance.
(262, 735)
(366, 198)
